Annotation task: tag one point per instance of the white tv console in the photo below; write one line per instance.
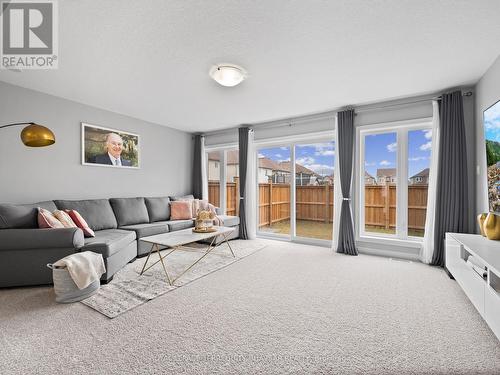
(484, 293)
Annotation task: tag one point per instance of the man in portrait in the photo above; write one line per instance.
(113, 151)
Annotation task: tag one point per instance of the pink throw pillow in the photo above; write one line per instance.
(80, 223)
(181, 210)
(64, 218)
(47, 220)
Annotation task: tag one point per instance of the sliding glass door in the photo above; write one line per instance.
(274, 189)
(314, 165)
(295, 190)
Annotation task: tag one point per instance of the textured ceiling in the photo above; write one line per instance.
(150, 59)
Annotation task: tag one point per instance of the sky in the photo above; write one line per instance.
(381, 151)
(319, 157)
(492, 122)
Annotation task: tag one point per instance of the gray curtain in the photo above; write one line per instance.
(197, 165)
(452, 193)
(243, 154)
(345, 144)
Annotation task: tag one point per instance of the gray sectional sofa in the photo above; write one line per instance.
(119, 224)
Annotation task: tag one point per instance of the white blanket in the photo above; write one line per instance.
(84, 268)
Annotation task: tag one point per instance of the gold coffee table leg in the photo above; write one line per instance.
(209, 249)
(156, 248)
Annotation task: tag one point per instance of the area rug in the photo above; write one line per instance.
(129, 289)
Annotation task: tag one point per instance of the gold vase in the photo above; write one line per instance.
(491, 226)
(480, 219)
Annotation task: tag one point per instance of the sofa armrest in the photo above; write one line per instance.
(20, 239)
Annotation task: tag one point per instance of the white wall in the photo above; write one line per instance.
(34, 174)
(487, 94)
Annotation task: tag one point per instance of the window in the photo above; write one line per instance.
(395, 165)
(419, 155)
(214, 177)
(295, 190)
(274, 194)
(314, 163)
(223, 171)
(232, 182)
(380, 198)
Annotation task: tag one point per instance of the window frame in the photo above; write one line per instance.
(401, 128)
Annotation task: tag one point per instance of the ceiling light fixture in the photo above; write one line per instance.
(228, 74)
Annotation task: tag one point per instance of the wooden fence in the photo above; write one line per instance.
(316, 203)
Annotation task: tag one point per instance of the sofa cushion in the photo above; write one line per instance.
(129, 211)
(158, 208)
(147, 229)
(97, 212)
(22, 215)
(229, 221)
(174, 225)
(109, 241)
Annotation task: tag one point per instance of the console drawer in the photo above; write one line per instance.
(492, 309)
(473, 285)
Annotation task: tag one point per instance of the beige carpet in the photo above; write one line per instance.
(285, 309)
(129, 289)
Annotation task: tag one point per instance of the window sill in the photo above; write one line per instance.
(411, 242)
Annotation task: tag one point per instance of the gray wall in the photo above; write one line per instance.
(487, 94)
(35, 174)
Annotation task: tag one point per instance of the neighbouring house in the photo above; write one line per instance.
(303, 176)
(386, 176)
(369, 179)
(267, 169)
(232, 165)
(421, 178)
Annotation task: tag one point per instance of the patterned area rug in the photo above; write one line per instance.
(129, 289)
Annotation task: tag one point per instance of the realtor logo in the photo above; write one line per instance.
(29, 34)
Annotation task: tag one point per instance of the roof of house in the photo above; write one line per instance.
(232, 156)
(422, 173)
(367, 175)
(285, 165)
(386, 172)
(267, 163)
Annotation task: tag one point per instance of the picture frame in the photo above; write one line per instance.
(108, 147)
(491, 124)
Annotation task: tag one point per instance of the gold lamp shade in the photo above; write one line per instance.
(35, 135)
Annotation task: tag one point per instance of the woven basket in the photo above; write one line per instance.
(65, 288)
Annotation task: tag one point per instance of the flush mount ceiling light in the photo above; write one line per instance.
(228, 74)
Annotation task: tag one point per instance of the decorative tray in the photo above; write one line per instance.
(207, 230)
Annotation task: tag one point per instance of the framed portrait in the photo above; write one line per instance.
(107, 147)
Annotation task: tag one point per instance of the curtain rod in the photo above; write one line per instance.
(324, 115)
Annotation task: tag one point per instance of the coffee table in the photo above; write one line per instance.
(176, 241)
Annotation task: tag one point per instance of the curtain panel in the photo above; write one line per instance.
(452, 194)
(345, 147)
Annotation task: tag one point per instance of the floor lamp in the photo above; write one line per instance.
(34, 135)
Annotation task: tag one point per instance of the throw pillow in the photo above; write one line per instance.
(181, 210)
(64, 218)
(47, 220)
(80, 223)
